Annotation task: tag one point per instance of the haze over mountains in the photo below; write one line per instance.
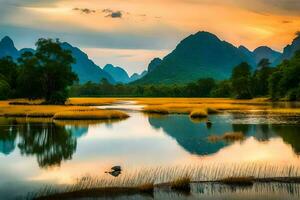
(120, 75)
(199, 55)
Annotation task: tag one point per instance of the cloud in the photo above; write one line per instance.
(113, 14)
(289, 7)
(286, 22)
(85, 10)
(32, 3)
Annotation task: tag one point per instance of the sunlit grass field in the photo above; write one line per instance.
(80, 108)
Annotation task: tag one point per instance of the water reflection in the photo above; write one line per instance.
(193, 136)
(8, 135)
(51, 144)
(140, 141)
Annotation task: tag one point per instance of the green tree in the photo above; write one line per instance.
(8, 69)
(4, 88)
(57, 74)
(223, 89)
(285, 82)
(274, 87)
(29, 79)
(261, 77)
(241, 81)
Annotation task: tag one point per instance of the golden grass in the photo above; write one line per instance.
(231, 136)
(85, 123)
(91, 101)
(41, 111)
(59, 112)
(151, 105)
(156, 110)
(90, 114)
(199, 113)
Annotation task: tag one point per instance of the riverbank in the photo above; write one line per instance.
(195, 107)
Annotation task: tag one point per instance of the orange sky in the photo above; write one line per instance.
(155, 25)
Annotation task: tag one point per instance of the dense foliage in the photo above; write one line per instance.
(44, 74)
(47, 73)
(245, 83)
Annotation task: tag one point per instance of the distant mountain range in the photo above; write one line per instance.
(120, 75)
(204, 55)
(84, 67)
(199, 55)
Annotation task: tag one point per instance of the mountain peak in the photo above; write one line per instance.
(118, 73)
(266, 52)
(263, 48)
(108, 66)
(7, 48)
(7, 42)
(203, 35)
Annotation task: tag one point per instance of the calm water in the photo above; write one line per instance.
(35, 154)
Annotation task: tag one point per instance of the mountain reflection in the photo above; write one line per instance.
(8, 135)
(193, 136)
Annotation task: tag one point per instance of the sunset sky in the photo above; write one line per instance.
(130, 33)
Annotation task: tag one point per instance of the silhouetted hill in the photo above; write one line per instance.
(137, 76)
(290, 50)
(197, 56)
(118, 73)
(85, 68)
(266, 52)
(153, 64)
(7, 48)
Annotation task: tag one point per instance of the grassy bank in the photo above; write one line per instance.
(90, 114)
(195, 107)
(63, 112)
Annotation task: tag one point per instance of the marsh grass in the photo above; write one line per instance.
(91, 101)
(199, 113)
(60, 112)
(142, 180)
(90, 114)
(156, 110)
(230, 137)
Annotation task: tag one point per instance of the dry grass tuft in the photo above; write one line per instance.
(92, 114)
(146, 188)
(91, 101)
(181, 184)
(156, 110)
(199, 113)
(231, 136)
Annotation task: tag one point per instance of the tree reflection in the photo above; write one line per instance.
(51, 144)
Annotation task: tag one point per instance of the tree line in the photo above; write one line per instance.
(278, 82)
(43, 74)
(47, 74)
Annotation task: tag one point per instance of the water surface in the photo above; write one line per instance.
(35, 154)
